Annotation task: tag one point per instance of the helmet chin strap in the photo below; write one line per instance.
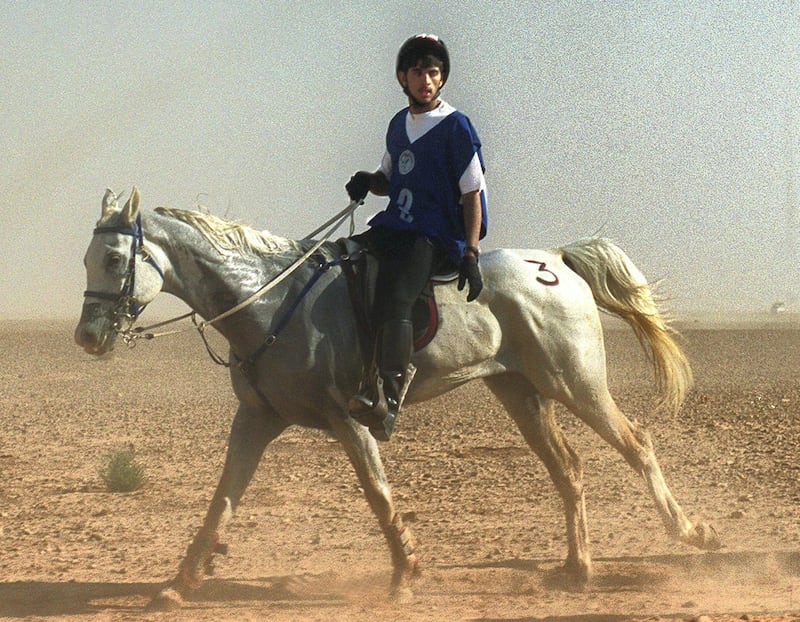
(415, 103)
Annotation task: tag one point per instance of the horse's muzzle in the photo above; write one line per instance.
(95, 332)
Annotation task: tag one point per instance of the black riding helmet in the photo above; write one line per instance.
(420, 46)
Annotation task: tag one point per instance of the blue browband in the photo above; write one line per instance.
(126, 302)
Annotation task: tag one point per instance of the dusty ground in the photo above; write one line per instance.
(304, 545)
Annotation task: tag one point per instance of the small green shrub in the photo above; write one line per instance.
(120, 472)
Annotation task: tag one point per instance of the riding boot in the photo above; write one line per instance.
(379, 407)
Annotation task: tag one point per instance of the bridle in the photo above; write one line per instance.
(127, 309)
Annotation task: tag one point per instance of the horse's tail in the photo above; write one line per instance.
(619, 287)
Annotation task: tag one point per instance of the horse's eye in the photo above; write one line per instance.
(114, 261)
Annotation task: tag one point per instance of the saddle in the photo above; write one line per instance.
(362, 273)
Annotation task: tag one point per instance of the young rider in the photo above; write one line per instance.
(432, 172)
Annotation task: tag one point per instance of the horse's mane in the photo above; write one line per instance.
(225, 235)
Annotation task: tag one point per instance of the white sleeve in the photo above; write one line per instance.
(386, 166)
(472, 179)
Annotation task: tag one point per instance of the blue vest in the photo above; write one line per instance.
(423, 190)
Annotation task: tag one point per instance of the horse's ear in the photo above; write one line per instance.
(109, 204)
(131, 209)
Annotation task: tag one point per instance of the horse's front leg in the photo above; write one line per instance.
(251, 432)
(362, 450)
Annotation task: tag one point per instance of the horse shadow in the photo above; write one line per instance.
(634, 573)
(23, 599)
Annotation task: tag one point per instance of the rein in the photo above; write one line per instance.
(339, 219)
(323, 266)
(130, 335)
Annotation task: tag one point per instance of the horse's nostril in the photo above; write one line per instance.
(84, 337)
(90, 334)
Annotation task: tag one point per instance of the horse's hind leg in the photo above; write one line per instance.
(601, 413)
(534, 416)
(250, 434)
(362, 450)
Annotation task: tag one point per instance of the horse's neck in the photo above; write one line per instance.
(199, 274)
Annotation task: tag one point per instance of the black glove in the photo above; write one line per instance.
(469, 272)
(358, 186)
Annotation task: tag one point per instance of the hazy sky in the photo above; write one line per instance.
(671, 126)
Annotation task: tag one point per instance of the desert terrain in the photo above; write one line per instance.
(489, 524)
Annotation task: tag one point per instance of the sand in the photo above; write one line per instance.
(304, 545)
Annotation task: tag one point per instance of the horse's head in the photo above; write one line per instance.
(122, 276)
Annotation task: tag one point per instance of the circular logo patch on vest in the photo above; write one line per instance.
(406, 163)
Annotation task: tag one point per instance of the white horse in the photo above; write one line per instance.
(533, 336)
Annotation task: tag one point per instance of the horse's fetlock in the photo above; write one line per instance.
(402, 546)
(407, 543)
(642, 435)
(187, 581)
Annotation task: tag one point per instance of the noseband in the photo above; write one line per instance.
(127, 307)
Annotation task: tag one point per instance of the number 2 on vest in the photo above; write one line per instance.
(404, 201)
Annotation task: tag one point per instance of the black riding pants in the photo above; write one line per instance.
(407, 260)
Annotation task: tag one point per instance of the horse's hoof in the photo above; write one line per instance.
(402, 581)
(403, 595)
(576, 577)
(707, 537)
(167, 599)
(577, 583)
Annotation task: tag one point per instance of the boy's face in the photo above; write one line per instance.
(422, 84)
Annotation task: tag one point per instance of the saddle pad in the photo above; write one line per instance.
(362, 272)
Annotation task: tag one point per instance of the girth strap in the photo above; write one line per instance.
(247, 365)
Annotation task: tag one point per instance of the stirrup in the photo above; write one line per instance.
(378, 414)
(379, 420)
(383, 431)
(360, 406)
(370, 404)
